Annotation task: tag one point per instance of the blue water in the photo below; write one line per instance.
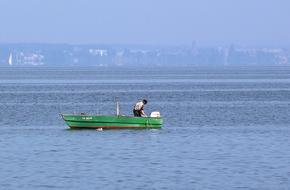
(225, 128)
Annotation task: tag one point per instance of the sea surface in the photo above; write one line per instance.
(224, 128)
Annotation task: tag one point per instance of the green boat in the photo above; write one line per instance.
(81, 121)
(86, 121)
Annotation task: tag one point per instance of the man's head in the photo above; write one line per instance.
(144, 101)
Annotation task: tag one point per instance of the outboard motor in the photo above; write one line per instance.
(155, 114)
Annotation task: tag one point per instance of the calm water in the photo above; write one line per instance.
(225, 128)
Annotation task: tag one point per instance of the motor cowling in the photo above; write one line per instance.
(155, 114)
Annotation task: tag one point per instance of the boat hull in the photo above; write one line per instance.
(111, 122)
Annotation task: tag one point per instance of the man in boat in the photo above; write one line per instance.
(138, 109)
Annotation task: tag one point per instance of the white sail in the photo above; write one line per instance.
(10, 59)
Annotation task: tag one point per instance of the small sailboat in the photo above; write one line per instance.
(10, 59)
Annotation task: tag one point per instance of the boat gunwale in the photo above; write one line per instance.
(89, 115)
(106, 122)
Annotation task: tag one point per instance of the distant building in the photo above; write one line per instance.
(98, 52)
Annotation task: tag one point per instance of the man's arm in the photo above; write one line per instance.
(143, 113)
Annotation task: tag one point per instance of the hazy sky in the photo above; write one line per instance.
(208, 22)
